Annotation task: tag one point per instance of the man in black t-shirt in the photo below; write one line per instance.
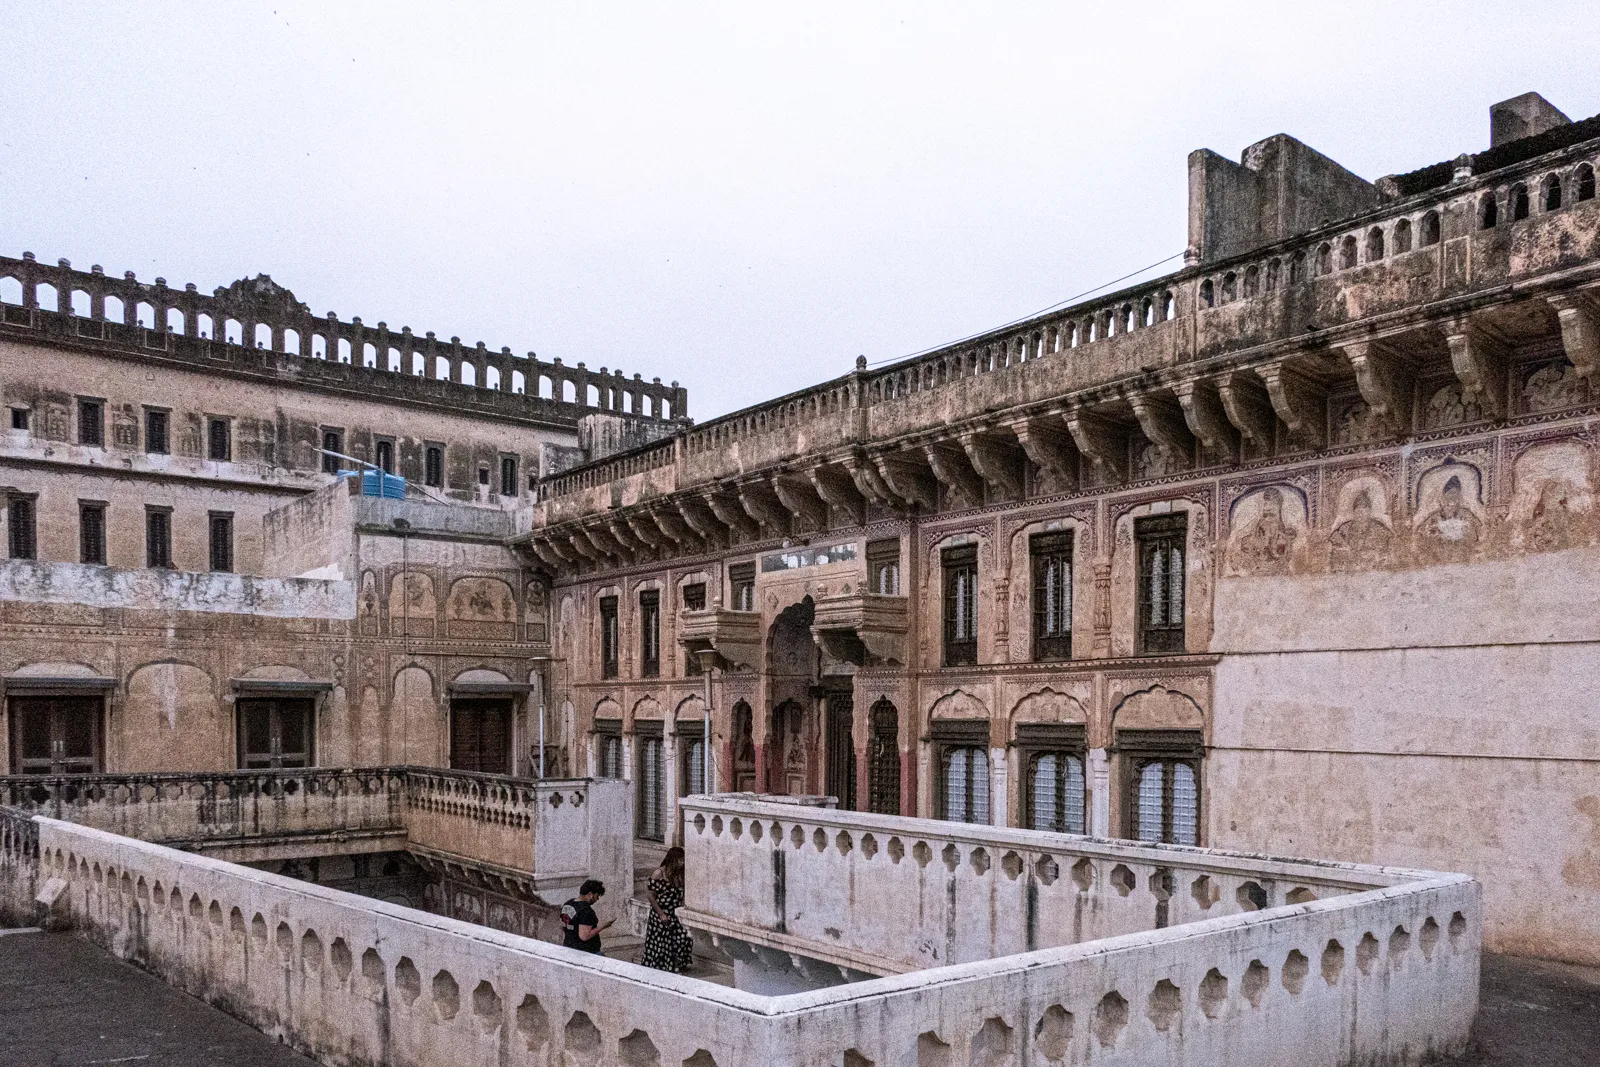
(580, 926)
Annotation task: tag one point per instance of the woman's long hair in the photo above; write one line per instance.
(672, 865)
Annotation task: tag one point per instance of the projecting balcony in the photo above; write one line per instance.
(734, 635)
(863, 628)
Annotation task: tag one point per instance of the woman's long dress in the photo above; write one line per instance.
(667, 946)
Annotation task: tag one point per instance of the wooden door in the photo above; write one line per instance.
(480, 736)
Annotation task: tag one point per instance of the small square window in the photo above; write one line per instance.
(91, 423)
(157, 437)
(219, 440)
(19, 418)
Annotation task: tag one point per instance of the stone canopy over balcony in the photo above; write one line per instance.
(735, 636)
(863, 628)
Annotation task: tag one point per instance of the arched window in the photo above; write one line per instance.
(1585, 182)
(369, 352)
(1208, 296)
(1488, 212)
(82, 306)
(966, 784)
(233, 330)
(1230, 287)
(1519, 202)
(47, 299)
(441, 365)
(469, 373)
(1402, 236)
(1273, 269)
(319, 346)
(519, 382)
(175, 321)
(1072, 335)
(1324, 259)
(204, 324)
(883, 759)
(1347, 253)
(1056, 792)
(291, 341)
(1552, 192)
(263, 337)
(1297, 268)
(1252, 281)
(1094, 328)
(1374, 244)
(1127, 318)
(394, 360)
(666, 408)
(1147, 312)
(1169, 306)
(10, 291)
(1430, 229)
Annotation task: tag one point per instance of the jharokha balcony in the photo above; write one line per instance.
(734, 635)
(863, 628)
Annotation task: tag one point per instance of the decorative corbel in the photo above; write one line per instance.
(950, 466)
(604, 541)
(1479, 360)
(643, 527)
(1298, 401)
(870, 484)
(760, 505)
(839, 491)
(1102, 441)
(1051, 452)
(732, 516)
(619, 529)
(906, 479)
(673, 527)
(1206, 418)
(1580, 329)
(800, 498)
(995, 462)
(704, 524)
(1387, 381)
(1161, 419)
(549, 556)
(1248, 408)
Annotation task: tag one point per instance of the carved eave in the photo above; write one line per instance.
(1478, 356)
(1299, 401)
(763, 506)
(1103, 441)
(907, 479)
(734, 635)
(1580, 329)
(839, 491)
(1387, 380)
(674, 528)
(950, 466)
(1161, 419)
(1207, 419)
(800, 497)
(699, 517)
(863, 628)
(643, 527)
(1245, 402)
(1050, 450)
(996, 461)
(732, 515)
(870, 484)
(624, 536)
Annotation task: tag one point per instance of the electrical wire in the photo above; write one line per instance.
(1025, 318)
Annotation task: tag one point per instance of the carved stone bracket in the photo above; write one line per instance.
(1299, 402)
(731, 515)
(1244, 399)
(703, 523)
(1162, 421)
(870, 484)
(800, 497)
(839, 492)
(1051, 452)
(996, 462)
(1580, 329)
(761, 505)
(674, 527)
(1207, 420)
(1102, 441)
(1386, 380)
(1479, 359)
(955, 473)
(906, 479)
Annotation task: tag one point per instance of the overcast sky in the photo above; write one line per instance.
(742, 197)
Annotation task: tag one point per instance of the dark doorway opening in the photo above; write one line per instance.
(275, 733)
(841, 750)
(56, 735)
(480, 736)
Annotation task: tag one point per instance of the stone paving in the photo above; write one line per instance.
(68, 1004)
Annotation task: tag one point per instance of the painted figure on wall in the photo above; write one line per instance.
(1450, 531)
(1361, 541)
(1264, 546)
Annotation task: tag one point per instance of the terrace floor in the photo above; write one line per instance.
(69, 1004)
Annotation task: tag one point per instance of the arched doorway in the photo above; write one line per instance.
(883, 759)
(791, 663)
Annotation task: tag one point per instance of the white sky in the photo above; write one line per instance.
(742, 197)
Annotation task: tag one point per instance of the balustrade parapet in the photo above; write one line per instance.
(259, 318)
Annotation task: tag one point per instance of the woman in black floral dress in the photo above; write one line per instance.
(667, 946)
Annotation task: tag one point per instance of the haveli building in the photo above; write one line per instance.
(1290, 551)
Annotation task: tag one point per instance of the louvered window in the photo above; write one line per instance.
(650, 793)
(1161, 583)
(92, 533)
(695, 766)
(960, 605)
(608, 637)
(650, 633)
(1052, 596)
(966, 784)
(20, 532)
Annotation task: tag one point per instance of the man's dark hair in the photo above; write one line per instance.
(592, 885)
